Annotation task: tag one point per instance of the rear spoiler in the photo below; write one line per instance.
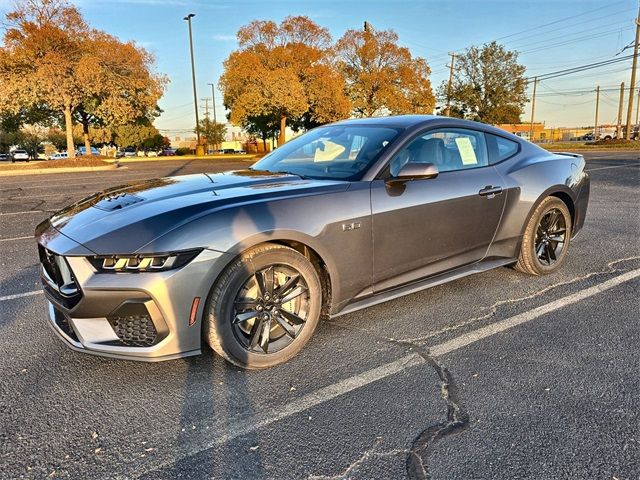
(568, 154)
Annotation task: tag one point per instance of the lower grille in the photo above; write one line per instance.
(134, 330)
(63, 324)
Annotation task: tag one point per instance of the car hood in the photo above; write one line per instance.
(124, 219)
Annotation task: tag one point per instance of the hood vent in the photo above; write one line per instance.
(117, 202)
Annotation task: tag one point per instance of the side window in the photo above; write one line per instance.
(448, 149)
(501, 148)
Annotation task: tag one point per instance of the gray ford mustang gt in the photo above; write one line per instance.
(343, 217)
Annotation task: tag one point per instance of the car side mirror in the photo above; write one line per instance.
(415, 171)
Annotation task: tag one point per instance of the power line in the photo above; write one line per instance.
(581, 68)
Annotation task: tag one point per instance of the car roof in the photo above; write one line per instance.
(418, 121)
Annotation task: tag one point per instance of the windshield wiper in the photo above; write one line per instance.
(304, 177)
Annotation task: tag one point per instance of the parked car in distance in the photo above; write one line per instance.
(5, 156)
(59, 156)
(83, 151)
(241, 152)
(228, 151)
(167, 152)
(345, 216)
(151, 153)
(20, 155)
(130, 152)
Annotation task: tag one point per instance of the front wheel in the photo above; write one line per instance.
(546, 238)
(264, 307)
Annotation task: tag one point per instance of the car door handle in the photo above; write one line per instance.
(490, 191)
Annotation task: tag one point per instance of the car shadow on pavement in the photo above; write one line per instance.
(213, 388)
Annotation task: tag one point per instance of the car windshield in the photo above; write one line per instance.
(342, 152)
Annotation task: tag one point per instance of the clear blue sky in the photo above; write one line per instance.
(597, 30)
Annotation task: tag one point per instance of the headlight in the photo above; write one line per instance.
(142, 263)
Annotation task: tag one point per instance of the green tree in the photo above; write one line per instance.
(263, 127)
(138, 135)
(382, 77)
(213, 132)
(488, 85)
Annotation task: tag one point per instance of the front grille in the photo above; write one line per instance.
(134, 330)
(58, 279)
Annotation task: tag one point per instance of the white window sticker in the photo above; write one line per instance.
(467, 153)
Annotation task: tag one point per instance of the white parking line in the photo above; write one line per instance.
(489, 330)
(20, 295)
(247, 425)
(615, 166)
(22, 213)
(14, 239)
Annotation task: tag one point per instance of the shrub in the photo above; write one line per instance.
(183, 151)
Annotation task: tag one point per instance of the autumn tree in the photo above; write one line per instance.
(283, 73)
(52, 59)
(213, 132)
(382, 77)
(488, 85)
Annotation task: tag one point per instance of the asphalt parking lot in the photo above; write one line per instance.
(498, 375)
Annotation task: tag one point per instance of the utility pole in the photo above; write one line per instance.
(453, 57)
(638, 109)
(595, 127)
(619, 125)
(632, 87)
(193, 77)
(213, 101)
(206, 108)
(533, 108)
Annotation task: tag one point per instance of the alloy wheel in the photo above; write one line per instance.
(551, 237)
(271, 309)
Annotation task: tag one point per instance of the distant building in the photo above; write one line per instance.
(541, 133)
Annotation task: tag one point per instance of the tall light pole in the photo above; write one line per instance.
(213, 99)
(193, 77)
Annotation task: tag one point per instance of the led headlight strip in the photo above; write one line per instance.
(142, 263)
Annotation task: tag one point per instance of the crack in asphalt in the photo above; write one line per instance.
(457, 417)
(492, 309)
(371, 452)
(456, 422)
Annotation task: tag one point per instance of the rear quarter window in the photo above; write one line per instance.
(501, 148)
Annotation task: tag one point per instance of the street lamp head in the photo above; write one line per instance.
(189, 17)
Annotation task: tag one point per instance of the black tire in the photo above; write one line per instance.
(540, 254)
(224, 333)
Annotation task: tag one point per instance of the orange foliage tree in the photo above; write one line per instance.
(382, 77)
(52, 59)
(283, 73)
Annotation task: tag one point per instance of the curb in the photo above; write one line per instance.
(43, 171)
(176, 158)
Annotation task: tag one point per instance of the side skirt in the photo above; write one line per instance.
(433, 281)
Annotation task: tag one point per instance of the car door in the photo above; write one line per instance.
(428, 226)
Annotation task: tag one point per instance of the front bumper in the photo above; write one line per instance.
(135, 316)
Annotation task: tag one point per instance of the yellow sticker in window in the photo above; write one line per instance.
(467, 153)
(329, 151)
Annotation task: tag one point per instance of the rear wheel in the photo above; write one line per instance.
(264, 307)
(546, 239)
